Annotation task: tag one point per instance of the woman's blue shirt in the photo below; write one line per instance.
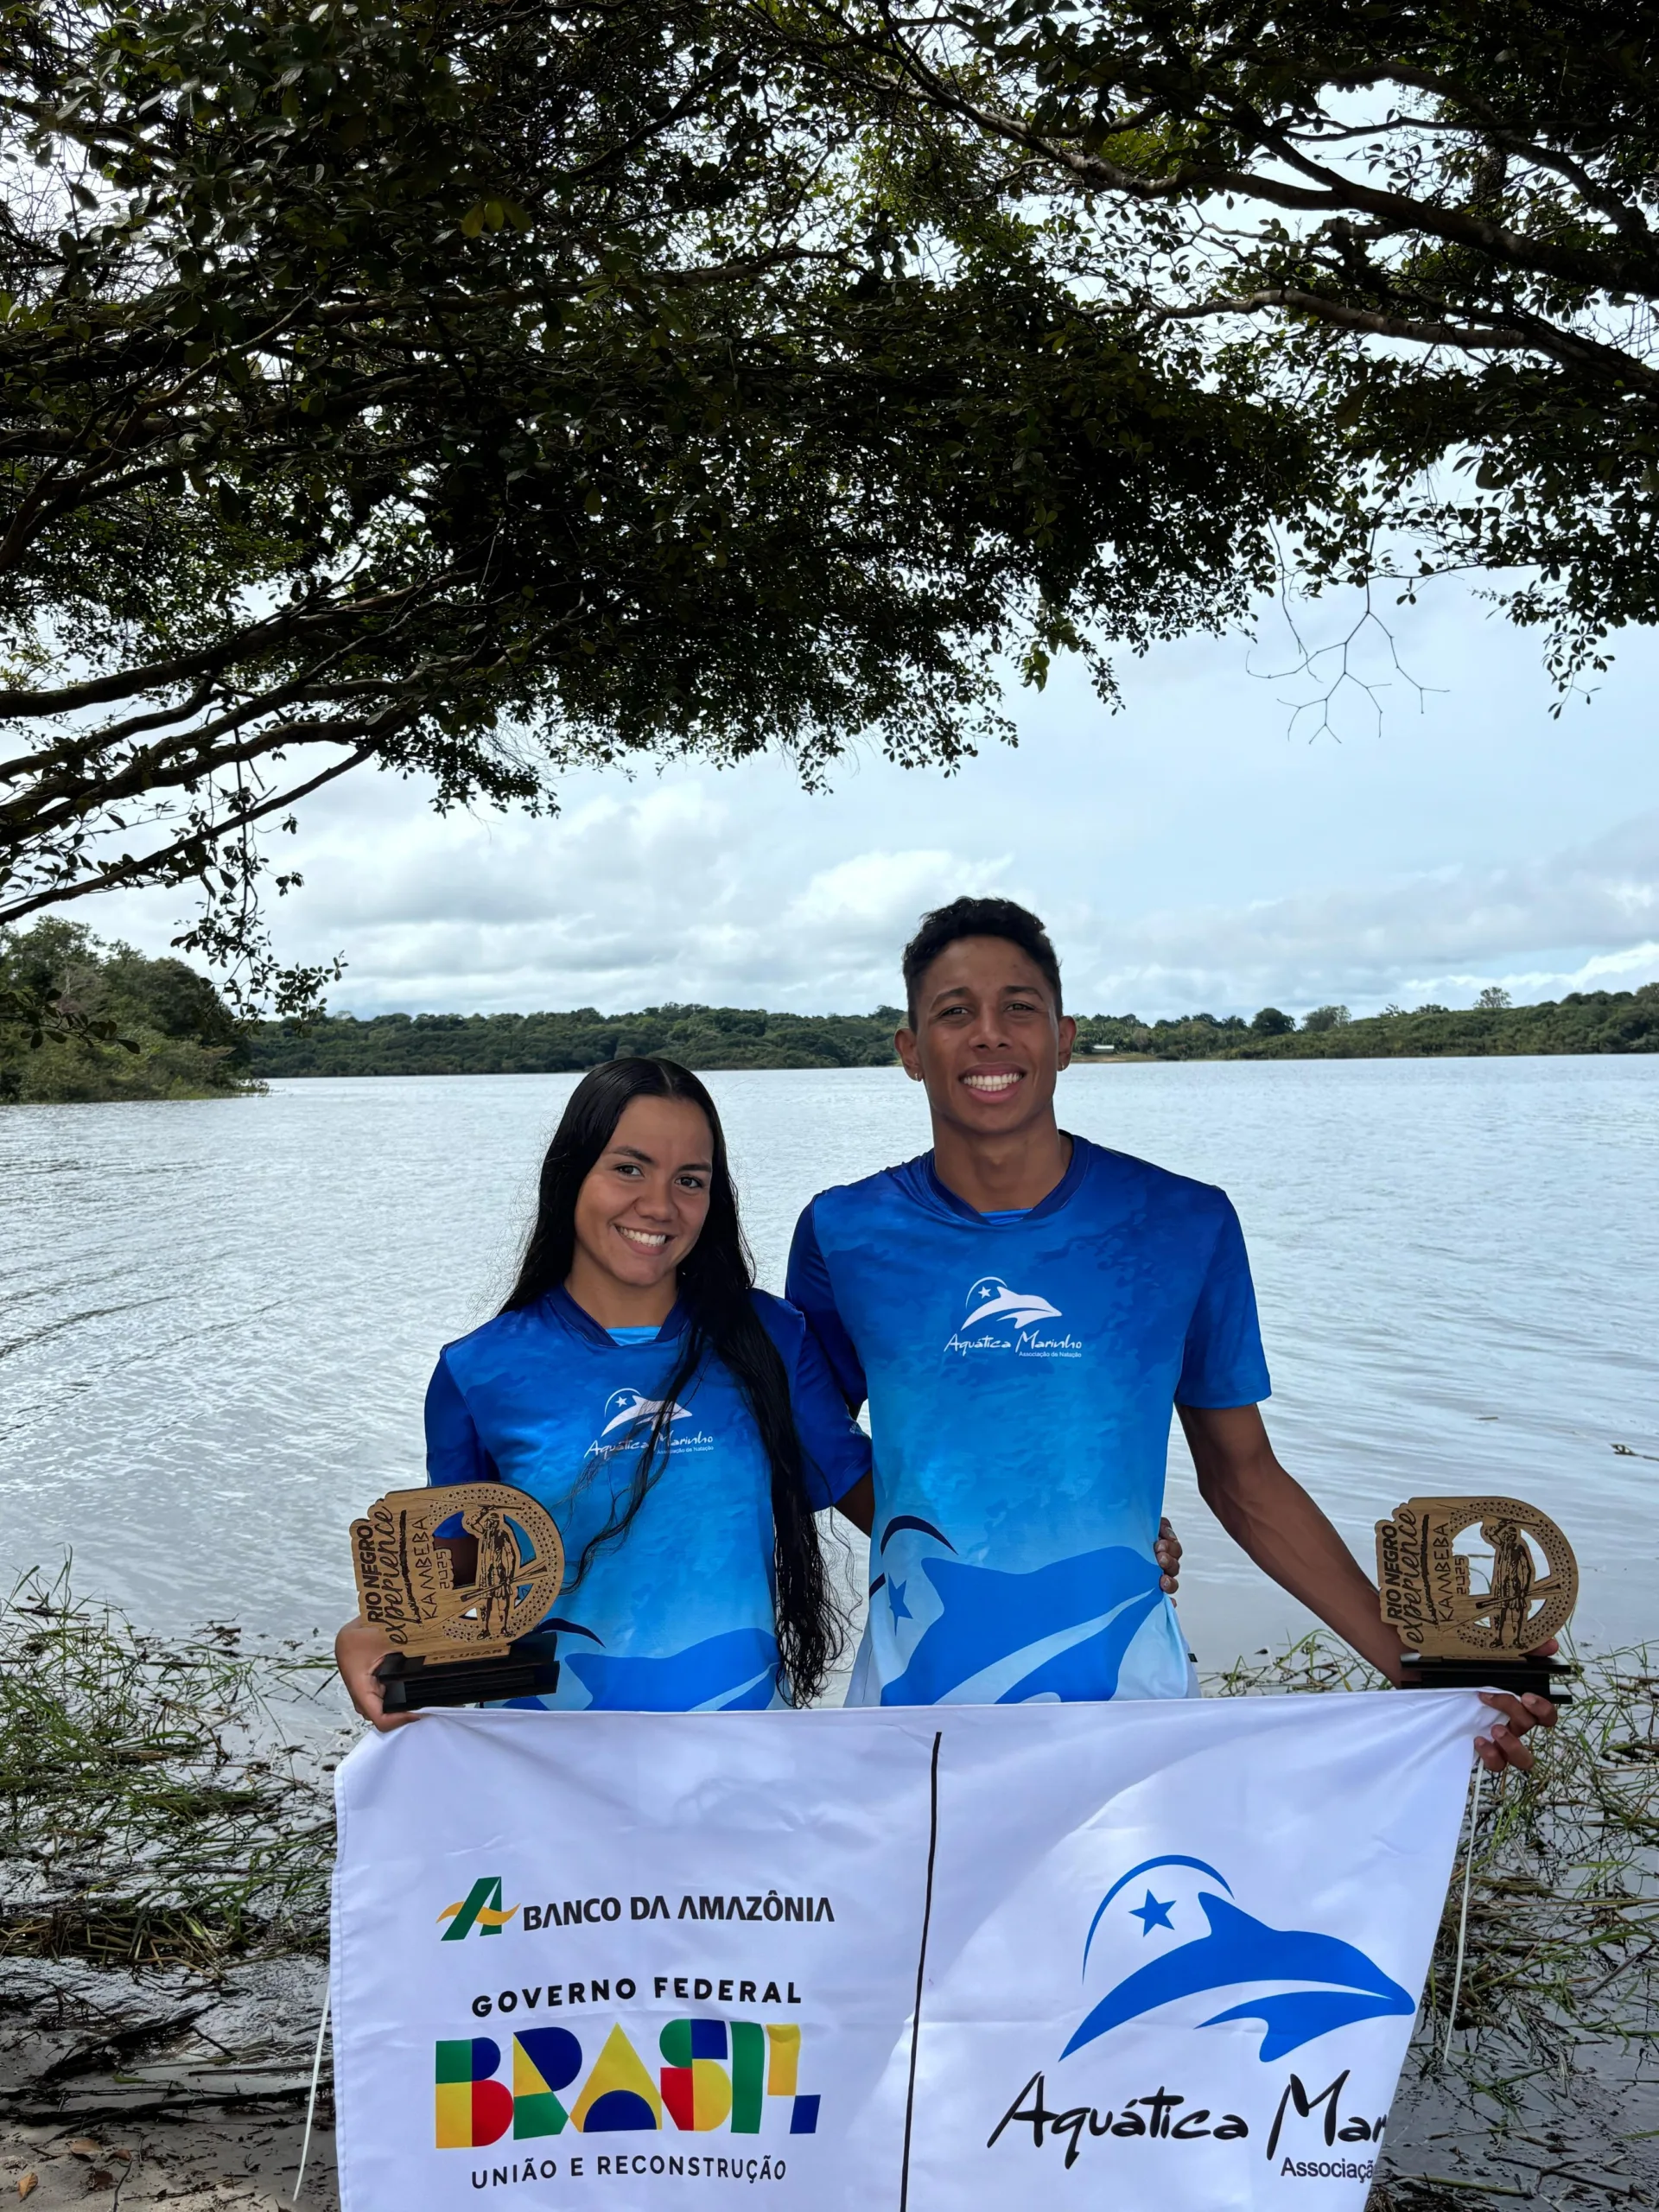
(678, 1616)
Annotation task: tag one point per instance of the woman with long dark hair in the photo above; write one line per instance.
(680, 1425)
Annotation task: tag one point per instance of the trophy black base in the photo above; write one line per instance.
(408, 1685)
(1540, 1677)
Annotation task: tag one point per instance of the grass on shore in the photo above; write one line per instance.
(151, 1811)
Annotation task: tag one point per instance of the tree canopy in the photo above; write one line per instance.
(1584, 1021)
(1429, 225)
(554, 1043)
(472, 388)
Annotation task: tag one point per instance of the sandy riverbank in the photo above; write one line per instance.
(217, 2161)
(122, 2089)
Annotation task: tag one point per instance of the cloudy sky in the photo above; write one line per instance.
(1206, 847)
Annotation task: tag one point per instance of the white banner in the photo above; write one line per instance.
(1163, 1955)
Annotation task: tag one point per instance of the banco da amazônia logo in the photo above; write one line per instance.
(481, 1908)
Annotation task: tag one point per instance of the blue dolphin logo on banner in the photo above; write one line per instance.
(1238, 1949)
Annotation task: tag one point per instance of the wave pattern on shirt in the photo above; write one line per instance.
(990, 1616)
(732, 1673)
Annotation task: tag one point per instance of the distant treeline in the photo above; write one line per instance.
(81, 1019)
(1584, 1021)
(555, 1044)
(732, 1037)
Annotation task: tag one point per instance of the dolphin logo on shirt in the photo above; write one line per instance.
(632, 1408)
(990, 1300)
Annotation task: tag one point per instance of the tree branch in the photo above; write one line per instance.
(156, 866)
(278, 629)
(1530, 337)
(1339, 195)
(1627, 218)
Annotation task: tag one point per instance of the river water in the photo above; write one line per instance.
(217, 1320)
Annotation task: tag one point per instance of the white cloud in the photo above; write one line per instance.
(879, 895)
(1442, 934)
(1610, 972)
(628, 898)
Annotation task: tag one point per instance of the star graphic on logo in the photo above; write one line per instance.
(896, 1599)
(1155, 1913)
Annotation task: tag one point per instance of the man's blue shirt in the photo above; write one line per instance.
(677, 1617)
(1021, 1374)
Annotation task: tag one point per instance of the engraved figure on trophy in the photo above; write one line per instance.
(1458, 1637)
(1511, 1581)
(499, 1568)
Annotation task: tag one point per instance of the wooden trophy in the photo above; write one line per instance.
(454, 1639)
(1457, 1637)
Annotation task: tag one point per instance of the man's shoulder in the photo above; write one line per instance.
(1163, 1192)
(845, 1203)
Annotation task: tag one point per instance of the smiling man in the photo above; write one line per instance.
(1022, 1309)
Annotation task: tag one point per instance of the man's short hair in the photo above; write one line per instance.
(945, 925)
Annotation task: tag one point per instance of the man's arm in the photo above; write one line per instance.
(1269, 1514)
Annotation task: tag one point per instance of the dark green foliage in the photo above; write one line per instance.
(731, 1036)
(81, 1020)
(1431, 224)
(1190, 1036)
(486, 386)
(1584, 1021)
(551, 1043)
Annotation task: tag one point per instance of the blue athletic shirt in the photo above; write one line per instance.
(678, 1617)
(1020, 1374)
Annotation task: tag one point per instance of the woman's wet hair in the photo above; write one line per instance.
(715, 1280)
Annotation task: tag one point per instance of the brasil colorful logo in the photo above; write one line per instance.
(716, 2074)
(480, 1907)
